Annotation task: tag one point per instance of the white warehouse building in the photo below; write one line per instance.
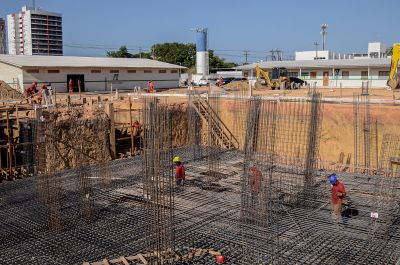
(94, 73)
(331, 73)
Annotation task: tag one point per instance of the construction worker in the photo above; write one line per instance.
(220, 82)
(255, 178)
(44, 94)
(137, 137)
(151, 86)
(70, 86)
(30, 91)
(338, 193)
(179, 173)
(50, 93)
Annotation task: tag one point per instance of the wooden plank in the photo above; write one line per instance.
(142, 259)
(86, 263)
(105, 262)
(123, 259)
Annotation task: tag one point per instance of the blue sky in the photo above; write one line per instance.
(234, 25)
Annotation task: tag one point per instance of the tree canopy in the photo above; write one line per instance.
(176, 53)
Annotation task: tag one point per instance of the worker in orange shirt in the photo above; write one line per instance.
(70, 85)
(338, 193)
(151, 87)
(179, 173)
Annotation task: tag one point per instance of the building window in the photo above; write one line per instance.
(32, 71)
(305, 74)
(114, 71)
(364, 75)
(174, 71)
(292, 74)
(131, 71)
(313, 75)
(148, 71)
(53, 71)
(345, 74)
(95, 71)
(383, 74)
(162, 71)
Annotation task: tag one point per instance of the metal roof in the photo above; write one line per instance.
(73, 61)
(348, 63)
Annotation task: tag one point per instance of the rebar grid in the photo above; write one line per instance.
(365, 136)
(280, 216)
(70, 140)
(158, 182)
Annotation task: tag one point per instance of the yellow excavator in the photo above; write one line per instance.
(279, 78)
(394, 76)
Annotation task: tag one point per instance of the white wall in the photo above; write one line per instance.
(353, 81)
(12, 35)
(7, 73)
(310, 55)
(96, 81)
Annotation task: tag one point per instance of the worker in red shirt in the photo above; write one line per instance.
(255, 177)
(338, 193)
(179, 173)
(30, 91)
(70, 86)
(220, 82)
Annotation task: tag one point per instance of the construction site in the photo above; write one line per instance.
(90, 179)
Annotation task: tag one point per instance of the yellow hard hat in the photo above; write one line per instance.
(176, 159)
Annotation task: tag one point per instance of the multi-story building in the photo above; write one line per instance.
(35, 32)
(2, 36)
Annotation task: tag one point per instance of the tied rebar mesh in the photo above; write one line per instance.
(194, 126)
(281, 147)
(386, 208)
(271, 205)
(365, 136)
(75, 140)
(158, 182)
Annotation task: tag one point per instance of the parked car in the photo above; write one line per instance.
(201, 82)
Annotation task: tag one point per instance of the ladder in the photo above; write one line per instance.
(220, 131)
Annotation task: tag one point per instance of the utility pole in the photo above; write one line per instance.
(324, 32)
(246, 54)
(272, 54)
(316, 49)
(140, 52)
(279, 54)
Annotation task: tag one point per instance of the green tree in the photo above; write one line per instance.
(389, 51)
(175, 53)
(121, 53)
(143, 55)
(217, 62)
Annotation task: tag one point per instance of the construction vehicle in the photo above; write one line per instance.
(279, 78)
(394, 76)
